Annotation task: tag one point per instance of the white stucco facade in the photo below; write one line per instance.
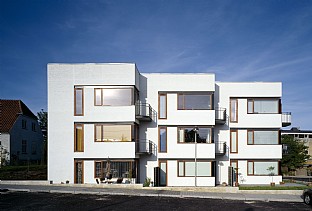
(163, 138)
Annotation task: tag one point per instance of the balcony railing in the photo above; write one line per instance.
(145, 112)
(145, 147)
(286, 119)
(220, 116)
(221, 148)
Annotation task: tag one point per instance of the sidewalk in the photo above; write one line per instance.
(294, 196)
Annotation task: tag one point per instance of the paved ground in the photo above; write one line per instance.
(13, 200)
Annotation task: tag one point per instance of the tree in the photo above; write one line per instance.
(43, 123)
(296, 154)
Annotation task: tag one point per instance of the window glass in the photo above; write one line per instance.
(117, 97)
(187, 135)
(78, 138)
(98, 96)
(194, 101)
(250, 106)
(181, 169)
(78, 101)
(261, 168)
(250, 137)
(117, 133)
(162, 106)
(233, 141)
(266, 106)
(24, 147)
(266, 137)
(162, 139)
(98, 133)
(250, 167)
(204, 169)
(189, 169)
(233, 110)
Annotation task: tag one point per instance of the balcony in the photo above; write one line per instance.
(220, 116)
(144, 112)
(146, 147)
(220, 148)
(286, 119)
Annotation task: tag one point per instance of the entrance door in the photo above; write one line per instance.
(234, 164)
(163, 172)
(78, 172)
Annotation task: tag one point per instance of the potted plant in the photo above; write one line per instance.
(271, 173)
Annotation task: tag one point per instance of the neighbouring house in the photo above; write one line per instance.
(304, 136)
(176, 129)
(20, 135)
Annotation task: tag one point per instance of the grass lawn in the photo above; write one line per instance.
(273, 187)
(32, 172)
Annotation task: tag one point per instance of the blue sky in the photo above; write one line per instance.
(249, 40)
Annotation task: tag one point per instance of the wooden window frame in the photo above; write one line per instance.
(253, 137)
(134, 92)
(236, 113)
(253, 167)
(193, 93)
(236, 131)
(159, 146)
(75, 170)
(198, 161)
(279, 109)
(166, 97)
(101, 90)
(82, 101)
(75, 137)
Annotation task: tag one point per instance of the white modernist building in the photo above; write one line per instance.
(110, 120)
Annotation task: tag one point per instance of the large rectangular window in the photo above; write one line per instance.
(114, 96)
(194, 101)
(162, 109)
(233, 110)
(263, 137)
(114, 133)
(117, 169)
(263, 106)
(162, 144)
(78, 102)
(79, 138)
(187, 169)
(234, 141)
(262, 167)
(187, 135)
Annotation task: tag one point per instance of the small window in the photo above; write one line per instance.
(234, 141)
(79, 138)
(162, 139)
(24, 124)
(310, 136)
(233, 110)
(301, 135)
(33, 148)
(24, 147)
(33, 127)
(162, 110)
(78, 102)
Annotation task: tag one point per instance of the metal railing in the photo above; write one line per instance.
(145, 147)
(144, 111)
(221, 148)
(220, 115)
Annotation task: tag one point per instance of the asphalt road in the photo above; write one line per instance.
(58, 201)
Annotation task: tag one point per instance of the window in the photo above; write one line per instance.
(24, 124)
(24, 147)
(301, 136)
(187, 169)
(33, 148)
(124, 169)
(115, 133)
(114, 97)
(162, 110)
(78, 101)
(234, 141)
(261, 167)
(33, 127)
(263, 137)
(78, 169)
(187, 135)
(79, 138)
(263, 106)
(194, 101)
(162, 139)
(233, 110)
(310, 136)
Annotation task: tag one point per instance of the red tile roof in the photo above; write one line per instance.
(9, 111)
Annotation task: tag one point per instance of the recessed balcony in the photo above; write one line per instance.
(221, 148)
(144, 112)
(286, 119)
(220, 116)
